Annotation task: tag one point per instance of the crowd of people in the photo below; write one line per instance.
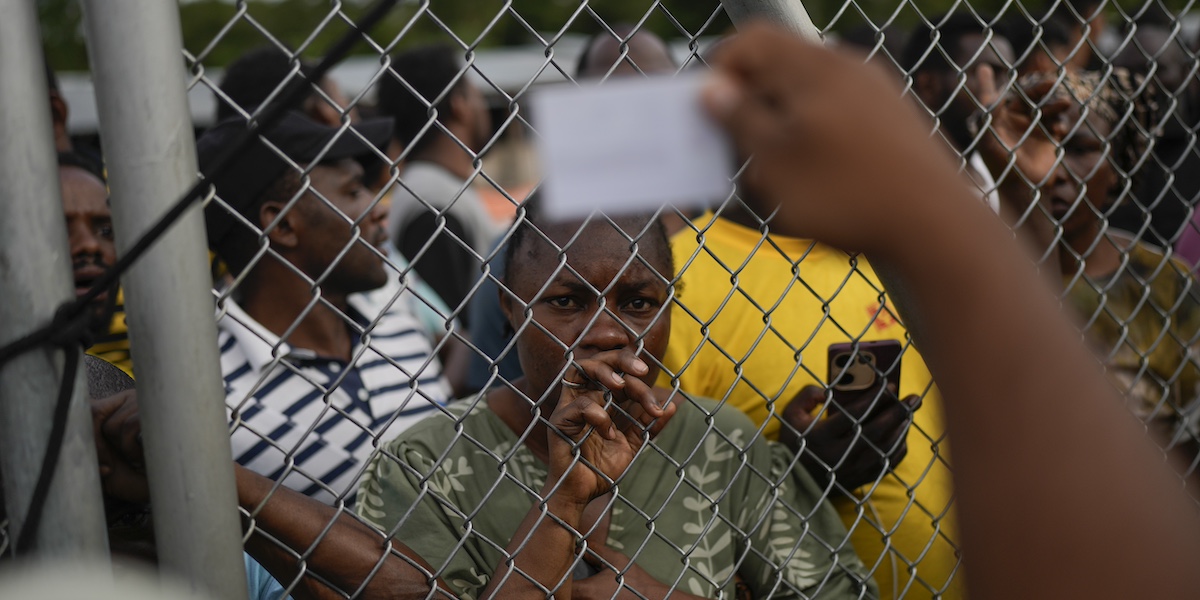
(645, 406)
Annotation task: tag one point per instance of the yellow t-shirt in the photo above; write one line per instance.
(772, 319)
(113, 348)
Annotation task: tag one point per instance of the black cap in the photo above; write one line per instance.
(301, 139)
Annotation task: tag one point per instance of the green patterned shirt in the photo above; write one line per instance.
(1144, 322)
(707, 493)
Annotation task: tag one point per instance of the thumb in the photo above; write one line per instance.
(721, 96)
(808, 399)
(988, 94)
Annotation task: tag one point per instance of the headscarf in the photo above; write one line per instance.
(1128, 104)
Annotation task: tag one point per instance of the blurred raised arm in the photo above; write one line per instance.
(1059, 490)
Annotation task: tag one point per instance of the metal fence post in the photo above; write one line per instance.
(788, 13)
(150, 153)
(34, 280)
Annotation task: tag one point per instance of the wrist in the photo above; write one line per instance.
(566, 506)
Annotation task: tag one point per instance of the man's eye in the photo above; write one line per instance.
(561, 302)
(639, 304)
(1084, 147)
(105, 231)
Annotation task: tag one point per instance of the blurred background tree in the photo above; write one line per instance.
(292, 22)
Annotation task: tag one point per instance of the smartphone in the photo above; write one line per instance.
(858, 366)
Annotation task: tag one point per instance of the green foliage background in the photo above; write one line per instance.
(293, 21)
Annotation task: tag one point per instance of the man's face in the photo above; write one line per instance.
(90, 233)
(327, 230)
(479, 119)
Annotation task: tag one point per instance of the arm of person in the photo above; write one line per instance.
(1055, 481)
(621, 579)
(344, 551)
(860, 438)
(546, 545)
(447, 265)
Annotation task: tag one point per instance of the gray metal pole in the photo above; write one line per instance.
(788, 13)
(137, 65)
(35, 279)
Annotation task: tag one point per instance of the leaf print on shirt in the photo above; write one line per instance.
(713, 534)
(785, 551)
(446, 479)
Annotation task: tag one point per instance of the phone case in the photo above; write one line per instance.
(856, 366)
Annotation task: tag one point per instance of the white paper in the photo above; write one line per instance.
(629, 146)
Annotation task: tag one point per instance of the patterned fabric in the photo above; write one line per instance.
(1144, 321)
(315, 421)
(1126, 102)
(706, 492)
(753, 322)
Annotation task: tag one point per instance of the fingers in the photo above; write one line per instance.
(617, 371)
(606, 369)
(798, 412)
(859, 406)
(594, 415)
(122, 428)
(116, 426)
(989, 96)
(749, 94)
(753, 55)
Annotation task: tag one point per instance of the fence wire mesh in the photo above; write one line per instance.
(368, 272)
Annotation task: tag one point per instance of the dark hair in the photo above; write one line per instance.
(656, 236)
(620, 29)
(74, 159)
(949, 32)
(865, 37)
(105, 379)
(1152, 14)
(253, 77)
(429, 70)
(240, 243)
(1023, 35)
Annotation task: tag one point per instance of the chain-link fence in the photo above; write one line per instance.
(378, 253)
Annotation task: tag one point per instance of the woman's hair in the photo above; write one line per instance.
(1128, 104)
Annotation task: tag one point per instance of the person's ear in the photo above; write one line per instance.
(58, 115)
(511, 306)
(460, 106)
(283, 224)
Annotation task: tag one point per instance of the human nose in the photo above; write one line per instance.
(379, 213)
(83, 240)
(1062, 177)
(605, 332)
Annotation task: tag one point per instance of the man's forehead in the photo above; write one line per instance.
(647, 51)
(79, 185)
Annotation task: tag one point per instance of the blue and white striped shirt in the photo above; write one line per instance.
(315, 421)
